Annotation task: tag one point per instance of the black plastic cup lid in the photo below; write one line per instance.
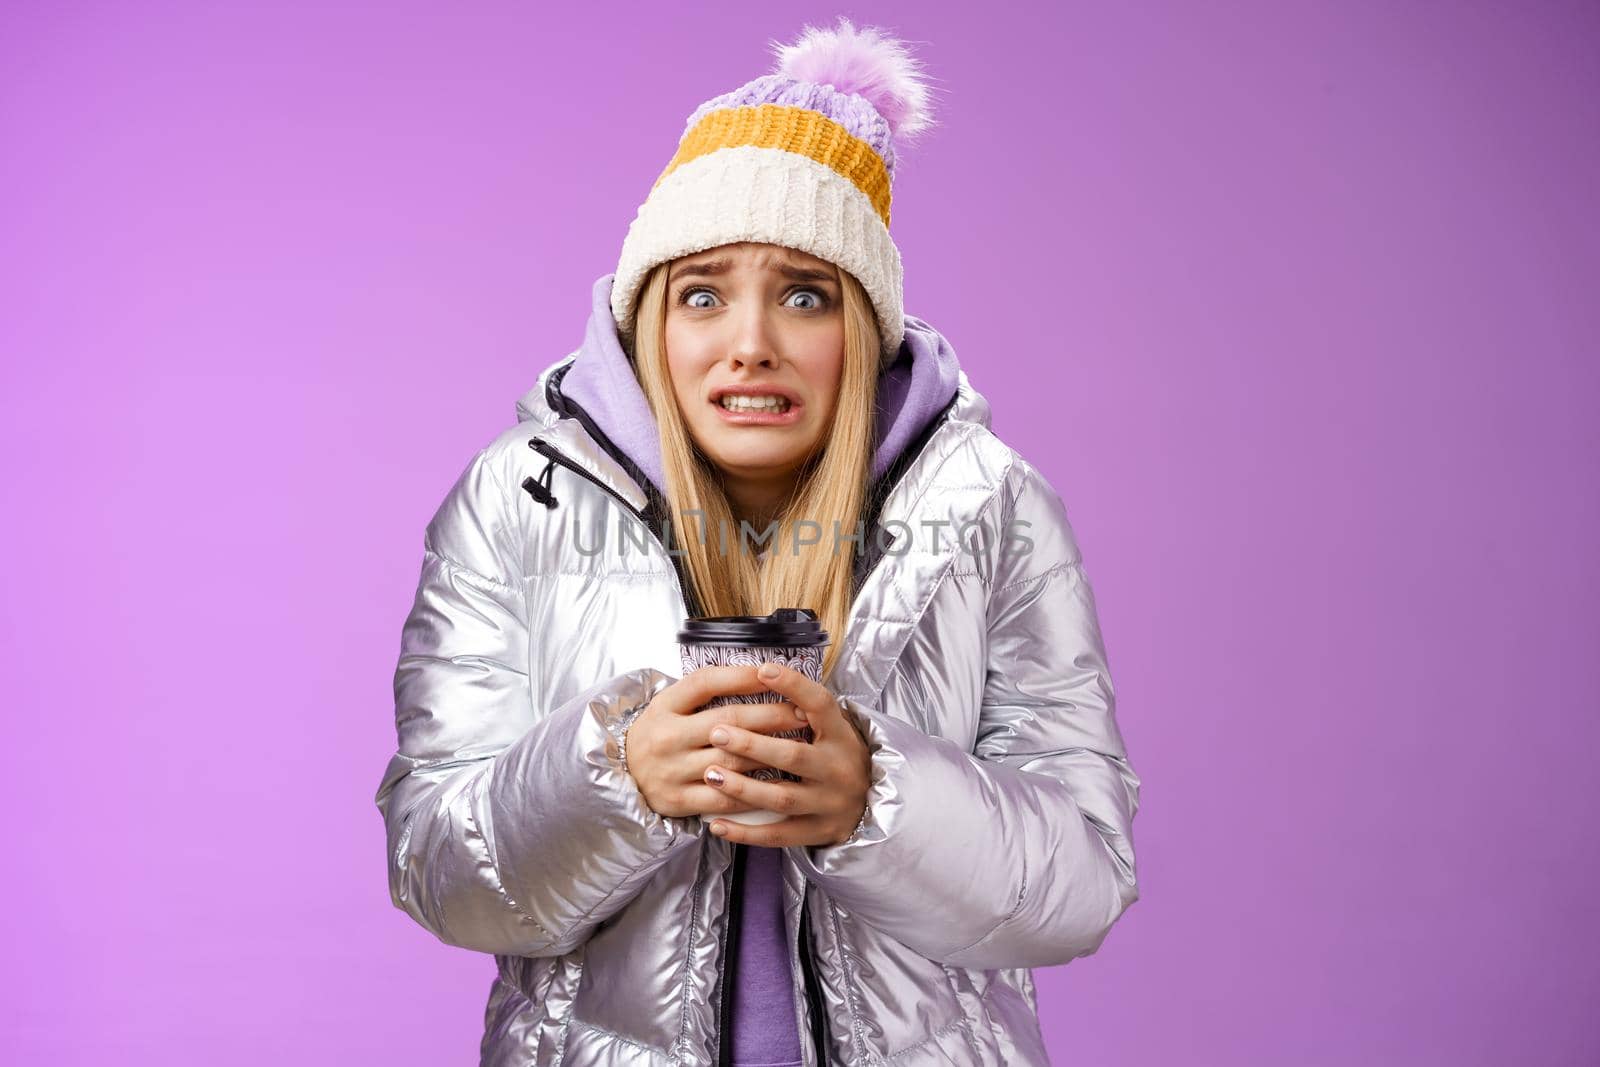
(786, 626)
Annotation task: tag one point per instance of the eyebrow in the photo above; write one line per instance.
(711, 268)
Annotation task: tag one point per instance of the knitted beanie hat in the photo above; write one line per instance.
(802, 157)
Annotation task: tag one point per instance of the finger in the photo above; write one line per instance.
(692, 733)
(688, 737)
(691, 692)
(793, 831)
(709, 801)
(820, 706)
(688, 766)
(786, 754)
(715, 757)
(784, 797)
(768, 717)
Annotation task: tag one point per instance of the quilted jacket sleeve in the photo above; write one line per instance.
(511, 828)
(1018, 853)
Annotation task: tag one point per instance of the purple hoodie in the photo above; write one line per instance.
(916, 387)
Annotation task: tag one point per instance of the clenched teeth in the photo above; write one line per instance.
(734, 402)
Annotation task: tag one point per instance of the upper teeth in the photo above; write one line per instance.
(735, 402)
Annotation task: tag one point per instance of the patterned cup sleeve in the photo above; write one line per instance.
(807, 659)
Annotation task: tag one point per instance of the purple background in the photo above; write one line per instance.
(1293, 302)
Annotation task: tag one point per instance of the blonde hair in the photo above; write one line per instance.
(831, 491)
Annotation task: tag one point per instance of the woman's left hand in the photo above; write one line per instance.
(836, 771)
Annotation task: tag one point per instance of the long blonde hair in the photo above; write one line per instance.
(728, 578)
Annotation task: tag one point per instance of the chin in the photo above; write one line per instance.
(738, 457)
(752, 463)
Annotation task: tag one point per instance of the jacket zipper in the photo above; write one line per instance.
(555, 455)
(730, 942)
(813, 989)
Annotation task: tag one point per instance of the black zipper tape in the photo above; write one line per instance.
(814, 1003)
(562, 404)
(730, 958)
(657, 523)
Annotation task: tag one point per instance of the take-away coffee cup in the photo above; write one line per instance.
(789, 636)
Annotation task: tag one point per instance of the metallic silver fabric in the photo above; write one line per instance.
(998, 830)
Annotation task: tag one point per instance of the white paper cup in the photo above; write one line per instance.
(789, 636)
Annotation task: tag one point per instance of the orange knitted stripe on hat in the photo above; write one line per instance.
(790, 129)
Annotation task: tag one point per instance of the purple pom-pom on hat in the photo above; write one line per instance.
(864, 80)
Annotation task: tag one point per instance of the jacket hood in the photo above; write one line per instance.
(923, 379)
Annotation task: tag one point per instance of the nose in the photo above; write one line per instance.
(751, 344)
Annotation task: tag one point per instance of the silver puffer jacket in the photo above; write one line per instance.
(998, 834)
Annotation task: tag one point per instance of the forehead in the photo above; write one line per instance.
(756, 255)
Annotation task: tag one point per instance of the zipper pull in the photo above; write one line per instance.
(539, 488)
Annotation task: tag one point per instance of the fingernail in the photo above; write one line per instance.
(719, 736)
(718, 829)
(714, 776)
(769, 671)
(799, 713)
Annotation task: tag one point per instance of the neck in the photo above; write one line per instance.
(757, 502)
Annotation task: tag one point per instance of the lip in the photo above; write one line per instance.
(757, 418)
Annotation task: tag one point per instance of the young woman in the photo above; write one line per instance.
(964, 811)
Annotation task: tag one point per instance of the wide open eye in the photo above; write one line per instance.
(819, 299)
(687, 296)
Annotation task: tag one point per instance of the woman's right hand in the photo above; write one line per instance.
(669, 743)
